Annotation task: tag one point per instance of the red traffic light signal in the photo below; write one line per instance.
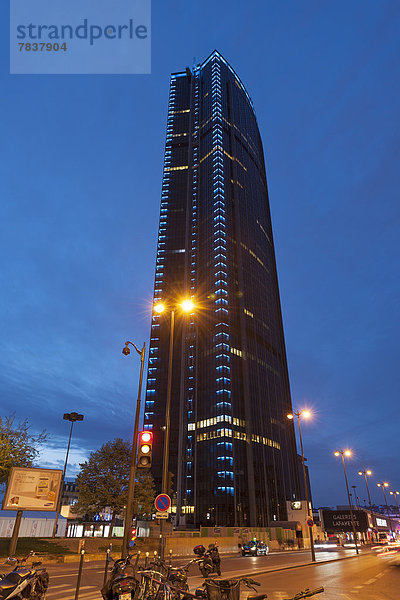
(145, 449)
(132, 536)
(146, 437)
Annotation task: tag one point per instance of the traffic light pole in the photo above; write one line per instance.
(132, 472)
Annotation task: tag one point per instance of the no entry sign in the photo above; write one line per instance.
(162, 502)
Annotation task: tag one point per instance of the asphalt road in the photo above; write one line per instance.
(367, 577)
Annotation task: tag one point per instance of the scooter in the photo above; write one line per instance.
(23, 582)
(120, 585)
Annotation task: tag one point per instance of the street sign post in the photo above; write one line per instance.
(162, 502)
(162, 515)
(310, 522)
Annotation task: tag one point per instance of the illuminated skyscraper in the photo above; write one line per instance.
(232, 449)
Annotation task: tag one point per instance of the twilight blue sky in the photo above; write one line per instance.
(80, 176)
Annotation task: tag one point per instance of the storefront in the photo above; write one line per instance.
(338, 524)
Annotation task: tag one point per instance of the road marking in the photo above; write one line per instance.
(280, 595)
(95, 593)
(63, 585)
(88, 587)
(357, 587)
(381, 574)
(370, 581)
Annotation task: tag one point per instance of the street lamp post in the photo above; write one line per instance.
(355, 496)
(382, 485)
(132, 469)
(187, 306)
(365, 473)
(72, 417)
(395, 494)
(306, 414)
(344, 453)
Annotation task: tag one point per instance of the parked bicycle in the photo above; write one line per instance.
(24, 582)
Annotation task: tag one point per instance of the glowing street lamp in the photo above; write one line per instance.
(306, 414)
(383, 485)
(347, 453)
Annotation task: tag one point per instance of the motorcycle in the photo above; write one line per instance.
(120, 585)
(209, 560)
(215, 557)
(24, 582)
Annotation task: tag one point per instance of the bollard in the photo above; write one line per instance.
(136, 563)
(78, 582)
(146, 560)
(161, 547)
(106, 567)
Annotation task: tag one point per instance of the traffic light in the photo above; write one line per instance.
(132, 536)
(144, 452)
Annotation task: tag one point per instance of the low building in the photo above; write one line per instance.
(33, 524)
(338, 523)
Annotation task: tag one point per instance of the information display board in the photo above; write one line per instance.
(32, 489)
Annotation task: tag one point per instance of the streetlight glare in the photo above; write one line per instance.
(290, 416)
(187, 305)
(306, 414)
(369, 472)
(159, 307)
(386, 484)
(337, 453)
(347, 452)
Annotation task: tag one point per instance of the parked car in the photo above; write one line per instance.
(255, 548)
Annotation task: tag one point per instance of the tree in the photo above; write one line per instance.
(103, 482)
(18, 446)
(145, 492)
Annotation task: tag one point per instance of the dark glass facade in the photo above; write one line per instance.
(232, 449)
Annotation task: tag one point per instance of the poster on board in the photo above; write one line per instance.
(32, 489)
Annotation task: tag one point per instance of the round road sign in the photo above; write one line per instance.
(310, 522)
(162, 502)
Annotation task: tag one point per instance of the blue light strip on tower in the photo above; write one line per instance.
(221, 337)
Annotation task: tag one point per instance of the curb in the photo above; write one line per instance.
(254, 574)
(308, 564)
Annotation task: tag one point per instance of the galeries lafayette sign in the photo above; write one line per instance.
(340, 520)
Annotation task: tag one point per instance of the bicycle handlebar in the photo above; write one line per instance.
(307, 593)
